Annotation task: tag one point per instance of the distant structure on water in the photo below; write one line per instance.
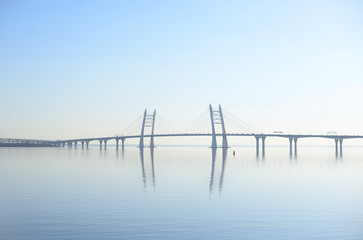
(11, 142)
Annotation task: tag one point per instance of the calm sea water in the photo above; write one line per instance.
(180, 193)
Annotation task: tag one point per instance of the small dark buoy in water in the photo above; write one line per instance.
(234, 153)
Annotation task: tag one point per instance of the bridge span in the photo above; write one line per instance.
(293, 138)
(216, 119)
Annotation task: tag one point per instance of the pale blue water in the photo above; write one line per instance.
(61, 193)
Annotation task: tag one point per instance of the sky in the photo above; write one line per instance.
(72, 69)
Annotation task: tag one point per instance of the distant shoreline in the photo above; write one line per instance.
(25, 145)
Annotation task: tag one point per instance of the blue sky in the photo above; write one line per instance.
(89, 68)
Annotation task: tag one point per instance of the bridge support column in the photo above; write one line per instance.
(217, 118)
(75, 144)
(148, 121)
(341, 147)
(152, 130)
(336, 147)
(69, 144)
(141, 144)
(214, 137)
(123, 143)
(105, 141)
(117, 143)
(82, 142)
(224, 141)
(87, 142)
(63, 144)
(290, 140)
(100, 143)
(263, 146)
(257, 146)
(295, 143)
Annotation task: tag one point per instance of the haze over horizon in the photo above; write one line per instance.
(74, 69)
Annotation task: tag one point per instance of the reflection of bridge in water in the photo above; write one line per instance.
(143, 167)
(217, 120)
(223, 167)
(213, 175)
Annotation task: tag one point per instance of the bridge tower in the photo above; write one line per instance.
(216, 117)
(147, 122)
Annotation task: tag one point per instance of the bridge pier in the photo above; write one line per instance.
(100, 143)
(87, 142)
(290, 140)
(105, 141)
(217, 118)
(224, 141)
(75, 144)
(82, 142)
(152, 141)
(263, 146)
(336, 147)
(295, 143)
(148, 121)
(214, 138)
(341, 147)
(152, 131)
(141, 144)
(257, 146)
(116, 139)
(69, 143)
(63, 144)
(123, 143)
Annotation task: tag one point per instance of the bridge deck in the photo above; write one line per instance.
(228, 134)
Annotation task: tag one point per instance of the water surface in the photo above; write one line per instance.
(180, 193)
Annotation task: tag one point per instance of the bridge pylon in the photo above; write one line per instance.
(147, 122)
(216, 117)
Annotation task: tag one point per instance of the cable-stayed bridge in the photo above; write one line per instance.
(151, 126)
